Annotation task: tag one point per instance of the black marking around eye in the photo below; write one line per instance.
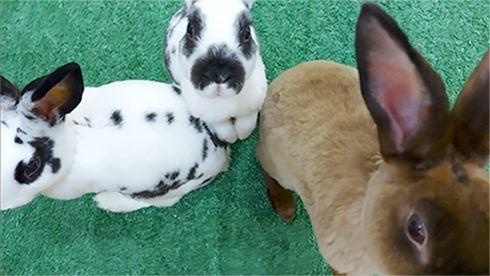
(192, 172)
(116, 118)
(88, 121)
(19, 130)
(170, 117)
(161, 189)
(219, 65)
(205, 149)
(5, 123)
(44, 154)
(176, 89)
(18, 140)
(190, 44)
(245, 28)
(150, 117)
(218, 143)
(196, 123)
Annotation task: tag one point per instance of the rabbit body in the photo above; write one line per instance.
(134, 143)
(394, 188)
(212, 52)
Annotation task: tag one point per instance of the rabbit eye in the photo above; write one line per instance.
(245, 35)
(190, 31)
(416, 229)
(32, 167)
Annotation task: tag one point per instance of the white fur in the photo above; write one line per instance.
(216, 104)
(104, 157)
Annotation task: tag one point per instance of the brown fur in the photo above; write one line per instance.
(318, 139)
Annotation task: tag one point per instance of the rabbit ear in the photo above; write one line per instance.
(57, 94)
(405, 97)
(9, 91)
(470, 115)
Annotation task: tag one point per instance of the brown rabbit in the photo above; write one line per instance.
(399, 187)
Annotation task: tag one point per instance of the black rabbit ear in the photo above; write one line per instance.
(57, 94)
(9, 90)
(405, 97)
(470, 116)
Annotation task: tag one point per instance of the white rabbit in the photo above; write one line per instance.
(212, 52)
(132, 142)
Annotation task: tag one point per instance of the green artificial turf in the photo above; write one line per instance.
(227, 227)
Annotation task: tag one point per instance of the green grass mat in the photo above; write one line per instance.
(227, 227)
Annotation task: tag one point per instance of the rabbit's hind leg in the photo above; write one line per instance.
(282, 200)
(117, 202)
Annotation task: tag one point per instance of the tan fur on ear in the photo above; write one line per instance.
(49, 104)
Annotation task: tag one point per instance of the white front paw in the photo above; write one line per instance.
(245, 125)
(225, 131)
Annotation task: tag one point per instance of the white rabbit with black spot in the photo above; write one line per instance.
(212, 53)
(134, 143)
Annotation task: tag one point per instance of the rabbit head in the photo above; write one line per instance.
(37, 147)
(427, 207)
(212, 47)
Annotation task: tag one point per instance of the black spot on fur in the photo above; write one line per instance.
(176, 89)
(161, 189)
(18, 140)
(206, 181)
(173, 175)
(122, 189)
(193, 33)
(174, 50)
(29, 117)
(247, 45)
(43, 154)
(205, 149)
(196, 122)
(19, 130)
(192, 172)
(88, 121)
(116, 118)
(4, 123)
(75, 122)
(219, 65)
(218, 143)
(150, 117)
(170, 117)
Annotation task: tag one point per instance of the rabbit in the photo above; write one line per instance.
(132, 142)
(211, 51)
(399, 187)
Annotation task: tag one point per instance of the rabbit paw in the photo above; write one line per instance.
(116, 202)
(226, 131)
(245, 125)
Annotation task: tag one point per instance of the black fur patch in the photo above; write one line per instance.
(43, 154)
(161, 189)
(5, 123)
(176, 89)
(195, 23)
(196, 122)
(218, 143)
(170, 117)
(116, 118)
(205, 149)
(19, 130)
(18, 140)
(192, 172)
(247, 46)
(219, 65)
(150, 117)
(173, 175)
(123, 189)
(75, 122)
(89, 122)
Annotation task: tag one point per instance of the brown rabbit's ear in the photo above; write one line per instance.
(404, 95)
(470, 116)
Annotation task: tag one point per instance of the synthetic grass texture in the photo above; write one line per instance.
(228, 227)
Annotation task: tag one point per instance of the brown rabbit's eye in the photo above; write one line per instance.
(416, 229)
